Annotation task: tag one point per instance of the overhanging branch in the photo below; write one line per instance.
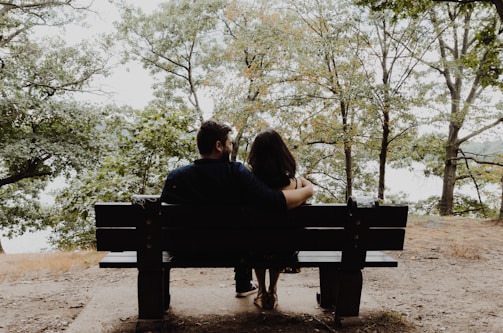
(480, 131)
(476, 160)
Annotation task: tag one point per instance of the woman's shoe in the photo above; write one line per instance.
(271, 301)
(261, 300)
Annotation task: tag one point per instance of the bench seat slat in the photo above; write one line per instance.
(127, 259)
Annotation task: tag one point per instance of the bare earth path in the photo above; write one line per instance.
(449, 279)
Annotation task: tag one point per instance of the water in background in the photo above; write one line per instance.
(31, 242)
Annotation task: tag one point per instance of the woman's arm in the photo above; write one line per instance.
(295, 198)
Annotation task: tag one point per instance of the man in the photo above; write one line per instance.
(214, 180)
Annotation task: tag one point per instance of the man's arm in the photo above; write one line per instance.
(295, 198)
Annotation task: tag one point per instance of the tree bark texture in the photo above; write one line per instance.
(383, 155)
(347, 150)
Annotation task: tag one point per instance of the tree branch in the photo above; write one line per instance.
(483, 129)
(474, 180)
(497, 3)
(33, 168)
(477, 161)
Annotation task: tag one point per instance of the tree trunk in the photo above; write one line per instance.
(349, 169)
(383, 155)
(1, 248)
(235, 144)
(347, 150)
(239, 135)
(451, 151)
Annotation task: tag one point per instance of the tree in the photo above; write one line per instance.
(498, 4)
(469, 61)
(141, 146)
(390, 43)
(466, 55)
(330, 81)
(44, 132)
(252, 60)
(482, 166)
(176, 44)
(412, 6)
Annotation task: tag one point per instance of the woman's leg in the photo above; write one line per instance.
(273, 288)
(260, 274)
(273, 280)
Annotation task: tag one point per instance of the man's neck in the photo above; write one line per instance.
(212, 156)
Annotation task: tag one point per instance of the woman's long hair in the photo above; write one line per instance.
(270, 159)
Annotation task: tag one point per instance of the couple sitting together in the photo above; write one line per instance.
(215, 180)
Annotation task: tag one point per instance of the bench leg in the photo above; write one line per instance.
(151, 286)
(340, 289)
(166, 292)
(150, 326)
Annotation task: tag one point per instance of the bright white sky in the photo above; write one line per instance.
(129, 84)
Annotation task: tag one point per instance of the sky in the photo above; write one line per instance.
(129, 84)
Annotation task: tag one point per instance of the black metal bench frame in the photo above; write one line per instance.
(338, 239)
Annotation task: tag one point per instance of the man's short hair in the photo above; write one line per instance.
(209, 133)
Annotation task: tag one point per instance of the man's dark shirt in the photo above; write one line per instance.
(217, 182)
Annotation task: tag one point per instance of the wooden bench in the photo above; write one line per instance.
(339, 239)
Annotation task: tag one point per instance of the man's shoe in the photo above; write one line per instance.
(253, 289)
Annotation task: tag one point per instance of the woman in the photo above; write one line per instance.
(272, 162)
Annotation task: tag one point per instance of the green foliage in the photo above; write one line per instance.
(468, 206)
(400, 8)
(175, 43)
(19, 209)
(44, 131)
(463, 205)
(142, 146)
(427, 206)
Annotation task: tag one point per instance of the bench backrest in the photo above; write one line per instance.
(147, 226)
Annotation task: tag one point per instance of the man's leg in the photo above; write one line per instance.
(244, 285)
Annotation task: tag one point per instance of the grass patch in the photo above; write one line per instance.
(387, 322)
(15, 265)
(465, 252)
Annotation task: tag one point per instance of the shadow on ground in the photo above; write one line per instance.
(380, 322)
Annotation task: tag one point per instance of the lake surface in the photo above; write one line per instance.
(32, 242)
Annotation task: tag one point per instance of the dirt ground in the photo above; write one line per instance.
(449, 279)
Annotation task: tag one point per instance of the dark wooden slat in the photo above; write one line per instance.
(385, 239)
(305, 259)
(252, 239)
(124, 239)
(123, 214)
(115, 214)
(308, 216)
(384, 216)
